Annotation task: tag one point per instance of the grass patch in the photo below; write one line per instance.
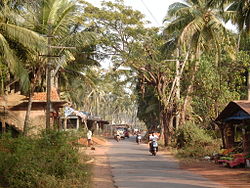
(49, 160)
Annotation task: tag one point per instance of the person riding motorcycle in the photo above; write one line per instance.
(138, 138)
(117, 136)
(153, 137)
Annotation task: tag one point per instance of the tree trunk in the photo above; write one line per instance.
(188, 97)
(2, 83)
(248, 85)
(167, 118)
(26, 125)
(178, 91)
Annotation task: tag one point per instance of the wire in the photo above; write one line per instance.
(144, 4)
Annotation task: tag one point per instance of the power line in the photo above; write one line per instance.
(144, 4)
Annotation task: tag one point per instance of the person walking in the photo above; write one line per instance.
(89, 137)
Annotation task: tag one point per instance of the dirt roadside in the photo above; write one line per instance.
(230, 177)
(101, 171)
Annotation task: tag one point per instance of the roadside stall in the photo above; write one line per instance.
(234, 125)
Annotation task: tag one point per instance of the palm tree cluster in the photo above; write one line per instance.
(53, 34)
(186, 72)
(199, 30)
(185, 69)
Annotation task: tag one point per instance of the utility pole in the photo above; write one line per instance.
(48, 104)
(49, 68)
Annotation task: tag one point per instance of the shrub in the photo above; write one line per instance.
(50, 160)
(193, 141)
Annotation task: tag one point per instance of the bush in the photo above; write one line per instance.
(193, 141)
(50, 160)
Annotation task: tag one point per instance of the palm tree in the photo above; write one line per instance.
(15, 42)
(198, 25)
(236, 10)
(56, 20)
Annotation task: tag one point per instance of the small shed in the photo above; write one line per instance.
(74, 119)
(235, 118)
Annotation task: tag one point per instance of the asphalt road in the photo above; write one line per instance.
(133, 166)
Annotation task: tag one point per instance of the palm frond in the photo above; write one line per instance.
(176, 9)
(7, 53)
(53, 10)
(195, 26)
(80, 39)
(177, 24)
(26, 37)
(14, 64)
(63, 18)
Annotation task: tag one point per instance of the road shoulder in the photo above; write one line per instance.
(101, 170)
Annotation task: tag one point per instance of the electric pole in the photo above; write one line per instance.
(48, 104)
(49, 68)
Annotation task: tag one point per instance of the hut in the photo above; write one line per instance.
(74, 119)
(233, 122)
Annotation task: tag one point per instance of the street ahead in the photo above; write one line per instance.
(134, 167)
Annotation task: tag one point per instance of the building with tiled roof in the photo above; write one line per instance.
(13, 109)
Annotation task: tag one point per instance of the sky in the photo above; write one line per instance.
(154, 10)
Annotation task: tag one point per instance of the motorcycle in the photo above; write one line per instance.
(138, 138)
(154, 147)
(117, 137)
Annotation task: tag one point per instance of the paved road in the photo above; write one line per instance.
(134, 167)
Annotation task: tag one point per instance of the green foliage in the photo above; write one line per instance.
(48, 161)
(148, 108)
(212, 91)
(194, 141)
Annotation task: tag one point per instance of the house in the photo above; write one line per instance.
(233, 122)
(13, 109)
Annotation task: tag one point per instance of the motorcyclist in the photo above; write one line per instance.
(138, 137)
(117, 135)
(152, 137)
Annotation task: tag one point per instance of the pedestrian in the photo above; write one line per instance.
(89, 137)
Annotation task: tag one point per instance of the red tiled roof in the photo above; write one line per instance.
(42, 96)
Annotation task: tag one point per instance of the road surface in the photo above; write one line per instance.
(133, 166)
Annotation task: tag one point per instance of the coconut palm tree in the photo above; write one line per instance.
(58, 21)
(199, 27)
(16, 42)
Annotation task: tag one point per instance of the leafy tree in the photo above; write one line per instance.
(199, 28)
(148, 106)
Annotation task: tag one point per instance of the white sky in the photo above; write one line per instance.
(154, 10)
